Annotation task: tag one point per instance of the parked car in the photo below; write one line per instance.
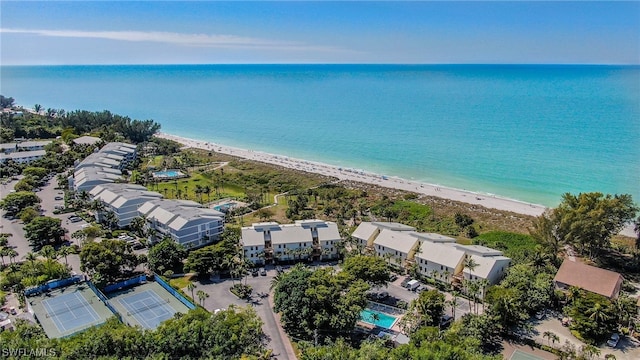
(254, 272)
(405, 282)
(566, 321)
(12, 311)
(613, 340)
(58, 198)
(445, 321)
(393, 277)
(75, 219)
(382, 295)
(263, 272)
(540, 315)
(279, 269)
(413, 285)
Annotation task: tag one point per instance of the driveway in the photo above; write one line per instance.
(220, 297)
(627, 349)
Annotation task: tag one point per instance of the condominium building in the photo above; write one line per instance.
(186, 222)
(123, 200)
(270, 241)
(22, 157)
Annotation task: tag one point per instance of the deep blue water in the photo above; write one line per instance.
(525, 132)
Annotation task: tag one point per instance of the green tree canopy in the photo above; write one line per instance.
(426, 310)
(589, 220)
(37, 172)
(372, 269)
(43, 230)
(166, 255)
(106, 261)
(17, 201)
(319, 301)
(594, 316)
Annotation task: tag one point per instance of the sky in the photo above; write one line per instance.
(239, 32)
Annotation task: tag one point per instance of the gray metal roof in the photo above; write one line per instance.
(396, 240)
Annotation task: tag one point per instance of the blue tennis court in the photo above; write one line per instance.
(70, 311)
(147, 308)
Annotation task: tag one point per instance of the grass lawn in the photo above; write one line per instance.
(170, 189)
(181, 282)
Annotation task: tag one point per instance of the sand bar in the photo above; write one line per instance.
(489, 201)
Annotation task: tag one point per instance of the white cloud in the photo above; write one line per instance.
(203, 40)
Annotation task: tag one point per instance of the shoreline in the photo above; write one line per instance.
(393, 182)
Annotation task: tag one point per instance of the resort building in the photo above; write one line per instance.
(395, 246)
(436, 256)
(186, 222)
(440, 261)
(490, 264)
(366, 232)
(8, 148)
(126, 151)
(123, 200)
(87, 178)
(102, 167)
(269, 241)
(22, 157)
(590, 278)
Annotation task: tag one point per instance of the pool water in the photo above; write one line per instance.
(168, 173)
(383, 320)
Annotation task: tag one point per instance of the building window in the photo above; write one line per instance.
(441, 267)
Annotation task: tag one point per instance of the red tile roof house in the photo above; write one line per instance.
(590, 278)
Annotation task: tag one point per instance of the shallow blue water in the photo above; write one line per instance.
(383, 320)
(525, 132)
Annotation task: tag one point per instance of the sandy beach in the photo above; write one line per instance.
(393, 182)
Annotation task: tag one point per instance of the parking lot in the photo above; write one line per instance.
(220, 297)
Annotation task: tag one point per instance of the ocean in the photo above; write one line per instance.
(527, 132)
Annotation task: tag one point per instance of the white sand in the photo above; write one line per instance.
(393, 182)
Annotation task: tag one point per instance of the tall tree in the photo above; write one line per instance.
(372, 269)
(43, 231)
(589, 220)
(166, 255)
(106, 261)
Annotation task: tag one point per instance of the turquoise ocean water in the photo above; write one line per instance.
(525, 132)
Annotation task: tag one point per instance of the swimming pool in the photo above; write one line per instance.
(168, 174)
(377, 318)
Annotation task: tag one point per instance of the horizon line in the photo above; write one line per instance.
(332, 64)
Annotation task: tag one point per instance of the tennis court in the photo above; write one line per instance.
(146, 305)
(519, 355)
(68, 310)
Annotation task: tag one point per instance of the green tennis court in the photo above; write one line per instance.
(519, 355)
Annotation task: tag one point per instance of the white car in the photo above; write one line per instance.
(613, 341)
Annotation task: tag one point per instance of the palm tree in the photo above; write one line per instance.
(31, 257)
(207, 190)
(198, 191)
(201, 296)
(12, 253)
(470, 264)
(598, 313)
(137, 224)
(589, 351)
(3, 252)
(191, 286)
(48, 252)
(64, 251)
(453, 303)
(548, 335)
(387, 256)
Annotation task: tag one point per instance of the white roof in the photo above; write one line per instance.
(393, 226)
(328, 232)
(400, 241)
(87, 140)
(486, 264)
(442, 254)
(433, 237)
(118, 195)
(177, 213)
(479, 250)
(290, 234)
(22, 154)
(364, 231)
(252, 236)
